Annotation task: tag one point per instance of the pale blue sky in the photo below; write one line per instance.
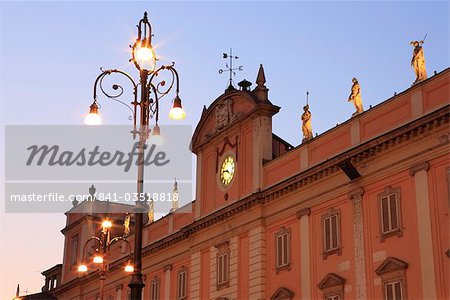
(50, 54)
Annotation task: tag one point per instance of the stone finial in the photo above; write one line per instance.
(261, 78)
(261, 91)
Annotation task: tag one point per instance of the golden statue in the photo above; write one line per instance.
(151, 211)
(306, 119)
(126, 225)
(355, 97)
(418, 61)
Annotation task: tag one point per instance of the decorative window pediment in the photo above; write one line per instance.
(331, 280)
(391, 264)
(282, 294)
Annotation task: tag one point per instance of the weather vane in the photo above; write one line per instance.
(229, 66)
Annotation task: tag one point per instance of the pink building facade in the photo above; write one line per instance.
(358, 212)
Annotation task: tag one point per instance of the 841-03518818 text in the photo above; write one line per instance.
(119, 197)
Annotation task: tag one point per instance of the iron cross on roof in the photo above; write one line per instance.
(229, 66)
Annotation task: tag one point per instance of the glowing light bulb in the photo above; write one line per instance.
(177, 112)
(106, 224)
(93, 118)
(82, 268)
(144, 54)
(129, 267)
(156, 137)
(98, 259)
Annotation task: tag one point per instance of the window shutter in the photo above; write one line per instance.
(279, 251)
(327, 234)
(385, 214)
(334, 233)
(394, 214)
(285, 249)
(398, 290)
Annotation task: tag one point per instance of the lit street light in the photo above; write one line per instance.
(104, 242)
(144, 108)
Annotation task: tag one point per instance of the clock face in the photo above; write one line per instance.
(227, 170)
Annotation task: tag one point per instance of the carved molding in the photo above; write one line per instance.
(303, 212)
(419, 167)
(282, 293)
(331, 280)
(168, 267)
(391, 264)
(356, 194)
(227, 142)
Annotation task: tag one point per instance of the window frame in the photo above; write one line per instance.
(155, 284)
(223, 259)
(286, 264)
(182, 290)
(332, 250)
(333, 296)
(388, 191)
(392, 282)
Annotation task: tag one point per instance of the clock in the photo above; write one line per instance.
(227, 170)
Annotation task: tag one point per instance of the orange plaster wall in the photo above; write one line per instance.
(405, 247)
(182, 219)
(342, 264)
(329, 144)
(436, 94)
(243, 269)
(386, 117)
(288, 279)
(439, 207)
(158, 229)
(284, 167)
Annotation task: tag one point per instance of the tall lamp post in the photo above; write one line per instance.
(104, 245)
(144, 108)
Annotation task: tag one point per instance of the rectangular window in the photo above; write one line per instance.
(223, 264)
(155, 289)
(393, 290)
(331, 232)
(389, 210)
(333, 297)
(74, 250)
(282, 246)
(390, 217)
(182, 284)
(222, 268)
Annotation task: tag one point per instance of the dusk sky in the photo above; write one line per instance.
(51, 52)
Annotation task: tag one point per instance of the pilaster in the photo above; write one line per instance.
(356, 197)
(420, 174)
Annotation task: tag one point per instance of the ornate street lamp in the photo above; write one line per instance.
(144, 108)
(104, 245)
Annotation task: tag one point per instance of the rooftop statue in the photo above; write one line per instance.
(418, 61)
(151, 211)
(355, 97)
(306, 119)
